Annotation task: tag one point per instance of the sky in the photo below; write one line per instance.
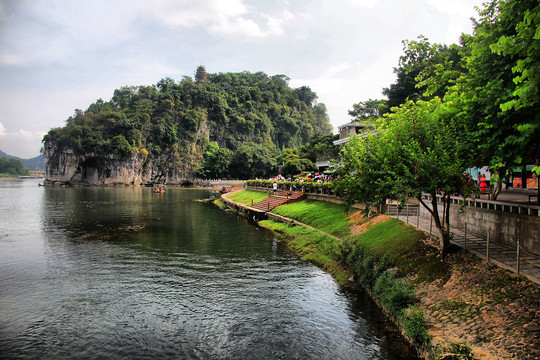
(60, 55)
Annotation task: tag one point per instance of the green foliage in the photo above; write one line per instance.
(320, 146)
(523, 45)
(501, 89)
(215, 162)
(326, 188)
(250, 116)
(254, 160)
(419, 148)
(369, 111)
(120, 146)
(413, 320)
(424, 71)
(12, 166)
(293, 164)
(455, 351)
(394, 293)
(491, 81)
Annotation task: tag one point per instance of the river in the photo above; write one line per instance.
(124, 273)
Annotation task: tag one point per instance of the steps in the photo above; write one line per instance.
(282, 197)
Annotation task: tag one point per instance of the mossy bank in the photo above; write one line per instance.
(462, 308)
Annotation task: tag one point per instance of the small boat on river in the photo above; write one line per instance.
(221, 189)
(160, 188)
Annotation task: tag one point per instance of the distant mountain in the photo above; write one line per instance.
(33, 163)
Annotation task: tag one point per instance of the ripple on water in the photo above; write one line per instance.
(118, 273)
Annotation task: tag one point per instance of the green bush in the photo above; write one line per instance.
(394, 293)
(414, 323)
(367, 274)
(458, 351)
(326, 188)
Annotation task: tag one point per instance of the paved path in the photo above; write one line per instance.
(503, 255)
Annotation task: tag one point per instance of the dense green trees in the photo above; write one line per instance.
(500, 91)
(369, 111)
(418, 149)
(12, 166)
(223, 125)
(488, 114)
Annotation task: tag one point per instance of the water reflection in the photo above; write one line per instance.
(126, 273)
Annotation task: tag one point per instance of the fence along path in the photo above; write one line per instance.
(280, 198)
(511, 258)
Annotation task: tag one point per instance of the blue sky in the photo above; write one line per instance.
(60, 55)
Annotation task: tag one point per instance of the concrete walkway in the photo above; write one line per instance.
(500, 254)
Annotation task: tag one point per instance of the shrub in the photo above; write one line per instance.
(367, 274)
(457, 351)
(414, 323)
(394, 293)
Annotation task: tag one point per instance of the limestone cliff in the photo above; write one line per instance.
(66, 168)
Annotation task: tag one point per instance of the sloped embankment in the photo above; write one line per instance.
(461, 308)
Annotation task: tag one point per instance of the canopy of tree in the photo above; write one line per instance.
(222, 125)
(490, 79)
(454, 107)
(418, 149)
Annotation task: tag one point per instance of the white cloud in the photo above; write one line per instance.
(69, 53)
(11, 59)
(137, 71)
(22, 143)
(335, 70)
(26, 134)
(220, 17)
(365, 3)
(189, 13)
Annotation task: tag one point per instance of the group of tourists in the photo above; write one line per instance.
(305, 177)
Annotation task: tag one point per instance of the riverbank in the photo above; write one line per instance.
(462, 307)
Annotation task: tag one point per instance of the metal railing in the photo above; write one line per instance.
(513, 258)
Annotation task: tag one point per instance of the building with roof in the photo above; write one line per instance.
(350, 129)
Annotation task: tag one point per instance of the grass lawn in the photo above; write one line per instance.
(8, 176)
(325, 216)
(403, 246)
(245, 196)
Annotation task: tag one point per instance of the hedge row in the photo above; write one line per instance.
(309, 186)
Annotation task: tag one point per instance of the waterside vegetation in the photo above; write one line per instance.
(459, 308)
(12, 167)
(340, 241)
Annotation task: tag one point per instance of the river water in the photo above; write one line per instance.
(123, 273)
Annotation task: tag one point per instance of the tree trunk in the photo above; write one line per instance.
(498, 184)
(447, 220)
(444, 241)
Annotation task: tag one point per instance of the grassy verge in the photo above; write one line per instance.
(382, 254)
(325, 216)
(402, 247)
(8, 176)
(246, 196)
